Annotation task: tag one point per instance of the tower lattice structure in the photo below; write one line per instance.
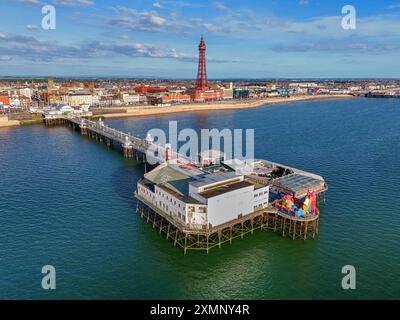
(202, 80)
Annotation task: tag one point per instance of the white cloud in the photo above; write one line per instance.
(394, 6)
(32, 26)
(31, 2)
(144, 21)
(29, 48)
(156, 20)
(74, 3)
(157, 5)
(6, 58)
(220, 6)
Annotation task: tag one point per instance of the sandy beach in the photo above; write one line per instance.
(149, 110)
(5, 122)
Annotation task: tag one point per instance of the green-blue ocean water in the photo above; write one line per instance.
(67, 201)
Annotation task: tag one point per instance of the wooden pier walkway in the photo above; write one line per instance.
(133, 147)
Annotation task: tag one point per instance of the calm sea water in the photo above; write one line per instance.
(67, 201)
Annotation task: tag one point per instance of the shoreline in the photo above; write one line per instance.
(201, 107)
(6, 123)
(148, 111)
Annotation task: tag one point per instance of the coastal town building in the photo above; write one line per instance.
(131, 98)
(66, 110)
(227, 92)
(4, 99)
(77, 99)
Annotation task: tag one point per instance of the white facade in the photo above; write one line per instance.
(231, 205)
(261, 197)
(209, 200)
(193, 214)
(228, 205)
(131, 98)
(62, 109)
(26, 92)
(75, 100)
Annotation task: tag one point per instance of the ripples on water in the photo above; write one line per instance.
(67, 201)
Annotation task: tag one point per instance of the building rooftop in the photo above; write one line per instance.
(183, 197)
(174, 178)
(299, 184)
(225, 188)
(171, 172)
(257, 185)
(207, 179)
(263, 167)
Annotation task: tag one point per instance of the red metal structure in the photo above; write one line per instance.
(202, 80)
(168, 152)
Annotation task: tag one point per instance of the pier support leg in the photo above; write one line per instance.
(305, 230)
(301, 230)
(294, 230)
(284, 225)
(185, 246)
(176, 238)
(169, 225)
(314, 228)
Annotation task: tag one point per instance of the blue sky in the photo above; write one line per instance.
(254, 38)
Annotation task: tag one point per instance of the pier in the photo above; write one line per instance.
(206, 239)
(130, 145)
(181, 231)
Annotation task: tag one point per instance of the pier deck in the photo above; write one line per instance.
(132, 146)
(206, 239)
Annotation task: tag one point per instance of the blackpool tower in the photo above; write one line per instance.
(202, 81)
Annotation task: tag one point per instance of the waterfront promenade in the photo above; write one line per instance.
(216, 106)
(148, 110)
